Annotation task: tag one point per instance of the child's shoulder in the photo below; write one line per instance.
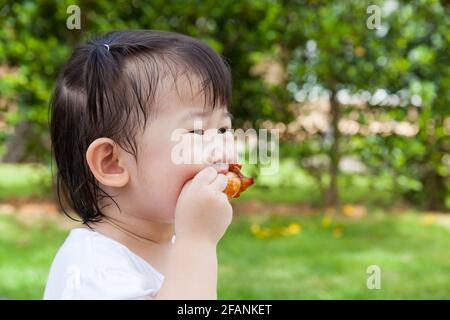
(97, 262)
(87, 247)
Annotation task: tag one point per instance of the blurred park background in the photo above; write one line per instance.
(359, 92)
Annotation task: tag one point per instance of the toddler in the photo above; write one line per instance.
(116, 107)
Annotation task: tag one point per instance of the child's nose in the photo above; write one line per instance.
(224, 150)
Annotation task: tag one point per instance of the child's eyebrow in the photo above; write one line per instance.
(229, 115)
(202, 113)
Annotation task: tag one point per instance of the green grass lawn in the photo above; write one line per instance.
(26, 252)
(316, 263)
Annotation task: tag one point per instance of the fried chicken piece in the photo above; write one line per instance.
(237, 182)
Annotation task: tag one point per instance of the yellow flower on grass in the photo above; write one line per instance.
(291, 229)
(259, 232)
(255, 228)
(294, 228)
(428, 219)
(338, 232)
(326, 221)
(263, 233)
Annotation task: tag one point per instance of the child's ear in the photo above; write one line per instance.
(106, 161)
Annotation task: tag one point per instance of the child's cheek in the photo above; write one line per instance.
(171, 188)
(162, 178)
(167, 186)
(188, 149)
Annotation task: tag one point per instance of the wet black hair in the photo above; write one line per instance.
(107, 89)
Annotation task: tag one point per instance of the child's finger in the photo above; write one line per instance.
(205, 176)
(220, 183)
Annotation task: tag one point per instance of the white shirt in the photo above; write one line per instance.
(90, 265)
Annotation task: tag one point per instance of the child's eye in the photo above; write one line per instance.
(201, 131)
(197, 131)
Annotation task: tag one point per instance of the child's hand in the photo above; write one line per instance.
(203, 211)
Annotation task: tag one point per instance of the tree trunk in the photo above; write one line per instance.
(332, 197)
(16, 145)
(434, 185)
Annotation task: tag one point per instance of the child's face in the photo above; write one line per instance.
(156, 181)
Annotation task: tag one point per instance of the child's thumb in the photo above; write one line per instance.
(204, 177)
